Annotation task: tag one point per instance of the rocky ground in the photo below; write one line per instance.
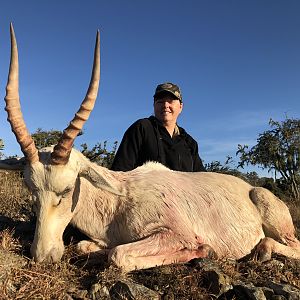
(75, 278)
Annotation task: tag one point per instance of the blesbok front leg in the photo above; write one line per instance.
(156, 250)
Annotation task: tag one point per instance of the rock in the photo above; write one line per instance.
(278, 297)
(77, 294)
(99, 292)
(203, 263)
(286, 290)
(213, 278)
(128, 290)
(269, 293)
(248, 291)
(216, 281)
(273, 291)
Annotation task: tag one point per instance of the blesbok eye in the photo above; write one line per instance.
(59, 202)
(66, 191)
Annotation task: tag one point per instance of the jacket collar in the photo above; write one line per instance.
(178, 130)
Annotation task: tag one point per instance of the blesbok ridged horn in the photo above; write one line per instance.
(13, 106)
(62, 150)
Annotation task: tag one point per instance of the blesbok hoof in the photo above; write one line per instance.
(263, 250)
(208, 252)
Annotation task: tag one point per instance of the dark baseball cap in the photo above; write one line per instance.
(168, 87)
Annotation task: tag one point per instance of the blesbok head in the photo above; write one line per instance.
(50, 173)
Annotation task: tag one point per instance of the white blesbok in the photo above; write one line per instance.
(146, 217)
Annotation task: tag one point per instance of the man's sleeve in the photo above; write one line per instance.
(127, 156)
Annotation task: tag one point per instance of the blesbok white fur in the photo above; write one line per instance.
(151, 215)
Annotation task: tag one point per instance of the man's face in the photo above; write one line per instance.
(167, 109)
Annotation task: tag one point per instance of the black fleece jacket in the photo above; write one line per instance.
(148, 140)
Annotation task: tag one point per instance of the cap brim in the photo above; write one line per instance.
(166, 91)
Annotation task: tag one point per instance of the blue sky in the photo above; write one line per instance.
(237, 63)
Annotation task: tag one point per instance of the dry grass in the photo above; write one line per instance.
(21, 278)
(295, 212)
(174, 282)
(14, 196)
(8, 242)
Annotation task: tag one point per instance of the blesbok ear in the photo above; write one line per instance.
(101, 181)
(14, 163)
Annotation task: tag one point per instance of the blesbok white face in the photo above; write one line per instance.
(52, 188)
(50, 174)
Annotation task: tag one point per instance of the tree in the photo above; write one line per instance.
(228, 167)
(277, 149)
(44, 138)
(99, 154)
(217, 166)
(1, 148)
